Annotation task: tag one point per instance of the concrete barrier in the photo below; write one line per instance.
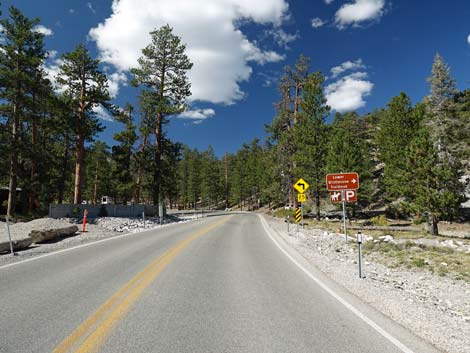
(108, 210)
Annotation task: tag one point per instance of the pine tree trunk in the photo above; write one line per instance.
(13, 173)
(60, 196)
(95, 187)
(317, 201)
(80, 150)
(33, 191)
(77, 198)
(435, 229)
(158, 156)
(138, 180)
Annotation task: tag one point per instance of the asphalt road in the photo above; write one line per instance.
(219, 284)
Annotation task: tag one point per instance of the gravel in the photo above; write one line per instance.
(433, 307)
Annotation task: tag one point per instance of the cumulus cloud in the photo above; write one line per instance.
(219, 49)
(44, 30)
(282, 38)
(347, 65)
(52, 68)
(328, 1)
(102, 113)
(197, 114)
(468, 39)
(115, 80)
(317, 22)
(348, 92)
(358, 11)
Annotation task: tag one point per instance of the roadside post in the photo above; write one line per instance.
(288, 223)
(359, 243)
(344, 216)
(143, 217)
(343, 188)
(9, 236)
(85, 213)
(298, 217)
(160, 213)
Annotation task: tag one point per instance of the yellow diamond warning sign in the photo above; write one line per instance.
(301, 186)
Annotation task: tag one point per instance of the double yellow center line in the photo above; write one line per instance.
(92, 333)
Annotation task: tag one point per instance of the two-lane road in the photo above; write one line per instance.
(219, 284)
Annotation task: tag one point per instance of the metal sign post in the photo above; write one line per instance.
(359, 243)
(9, 236)
(344, 215)
(302, 213)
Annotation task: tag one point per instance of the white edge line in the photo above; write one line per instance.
(95, 242)
(355, 311)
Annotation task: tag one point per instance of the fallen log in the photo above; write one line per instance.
(39, 236)
(17, 245)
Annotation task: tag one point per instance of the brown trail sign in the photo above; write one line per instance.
(342, 181)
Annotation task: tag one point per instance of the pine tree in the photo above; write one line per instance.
(100, 180)
(310, 136)
(397, 127)
(442, 108)
(432, 188)
(85, 87)
(162, 70)
(21, 55)
(123, 154)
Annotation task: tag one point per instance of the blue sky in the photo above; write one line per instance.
(370, 50)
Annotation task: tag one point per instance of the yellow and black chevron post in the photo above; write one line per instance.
(298, 215)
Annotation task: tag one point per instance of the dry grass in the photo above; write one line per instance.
(408, 254)
(441, 260)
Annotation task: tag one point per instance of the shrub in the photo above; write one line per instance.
(379, 221)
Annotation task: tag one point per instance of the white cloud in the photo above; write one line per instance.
(90, 7)
(197, 114)
(282, 38)
(348, 93)
(44, 30)
(102, 113)
(358, 11)
(220, 51)
(328, 1)
(52, 54)
(52, 68)
(468, 39)
(114, 82)
(347, 65)
(317, 22)
(261, 57)
(71, 11)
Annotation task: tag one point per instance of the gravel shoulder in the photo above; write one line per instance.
(433, 307)
(98, 229)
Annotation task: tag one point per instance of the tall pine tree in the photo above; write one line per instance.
(162, 70)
